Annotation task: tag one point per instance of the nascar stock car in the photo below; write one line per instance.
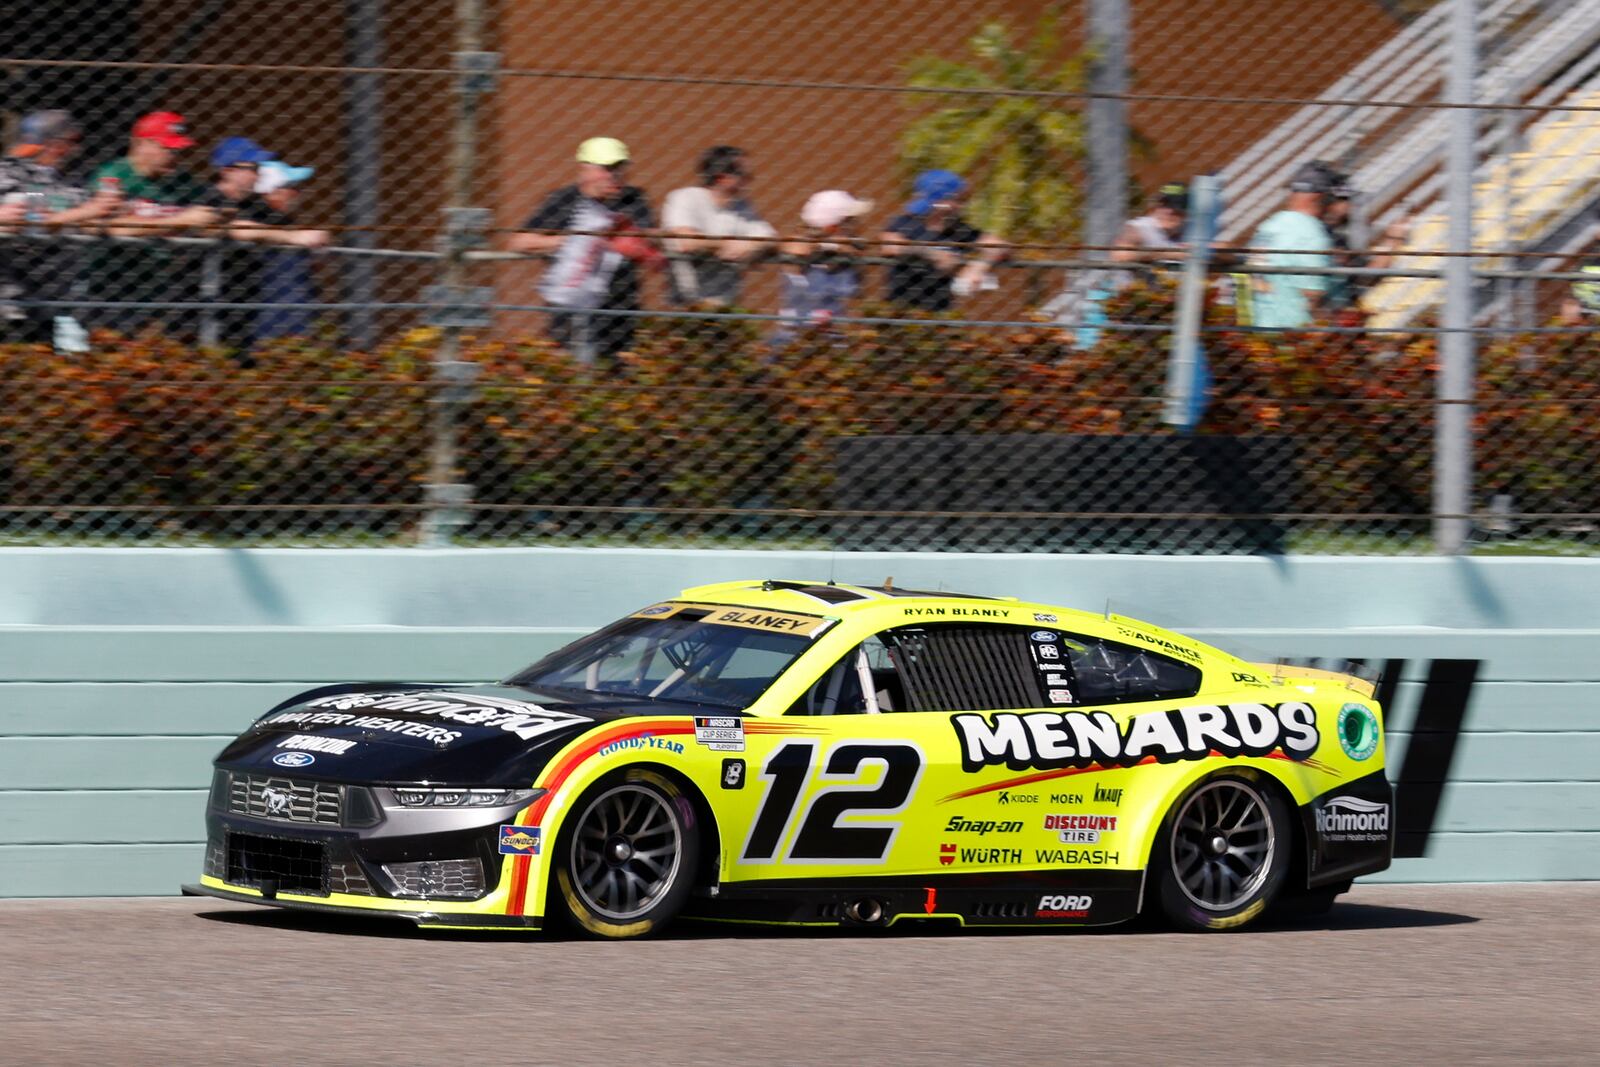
(817, 753)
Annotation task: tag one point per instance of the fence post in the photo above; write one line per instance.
(364, 40)
(1108, 121)
(456, 306)
(1187, 376)
(1452, 486)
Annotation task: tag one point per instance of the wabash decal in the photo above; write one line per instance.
(1044, 740)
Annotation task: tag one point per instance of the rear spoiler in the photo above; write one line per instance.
(1281, 671)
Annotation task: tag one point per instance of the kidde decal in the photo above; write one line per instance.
(1071, 906)
(1045, 740)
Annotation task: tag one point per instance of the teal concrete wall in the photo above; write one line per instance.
(122, 672)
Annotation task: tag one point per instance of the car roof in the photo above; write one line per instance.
(842, 599)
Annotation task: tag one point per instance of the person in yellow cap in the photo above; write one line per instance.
(588, 229)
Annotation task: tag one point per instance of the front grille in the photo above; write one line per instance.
(271, 797)
(216, 859)
(461, 878)
(275, 865)
(346, 876)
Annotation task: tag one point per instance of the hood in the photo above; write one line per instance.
(393, 733)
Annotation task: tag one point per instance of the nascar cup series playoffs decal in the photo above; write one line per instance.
(1045, 740)
(1358, 731)
(720, 733)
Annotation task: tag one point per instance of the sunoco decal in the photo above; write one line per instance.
(1045, 740)
(1353, 819)
(520, 840)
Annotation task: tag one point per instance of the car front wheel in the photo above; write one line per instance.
(1223, 855)
(628, 857)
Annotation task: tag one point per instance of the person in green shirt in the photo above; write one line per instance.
(159, 200)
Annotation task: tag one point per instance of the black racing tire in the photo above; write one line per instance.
(1223, 853)
(627, 857)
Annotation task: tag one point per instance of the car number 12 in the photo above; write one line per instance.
(820, 838)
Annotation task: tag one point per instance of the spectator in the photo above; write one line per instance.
(715, 225)
(158, 199)
(34, 194)
(1294, 237)
(596, 268)
(826, 278)
(1152, 239)
(247, 221)
(286, 274)
(1344, 291)
(957, 258)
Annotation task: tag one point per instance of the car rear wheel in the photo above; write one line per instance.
(1223, 854)
(628, 856)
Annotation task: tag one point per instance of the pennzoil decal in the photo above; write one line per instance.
(1044, 740)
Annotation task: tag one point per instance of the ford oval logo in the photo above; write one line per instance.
(1042, 635)
(294, 759)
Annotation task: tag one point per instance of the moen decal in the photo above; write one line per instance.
(1044, 740)
(961, 825)
(1070, 906)
(311, 743)
(720, 733)
(1358, 731)
(519, 717)
(520, 840)
(1076, 857)
(1353, 819)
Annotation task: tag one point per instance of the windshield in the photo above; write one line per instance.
(681, 658)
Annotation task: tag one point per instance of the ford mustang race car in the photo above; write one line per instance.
(816, 753)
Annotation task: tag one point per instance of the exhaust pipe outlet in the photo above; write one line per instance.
(865, 910)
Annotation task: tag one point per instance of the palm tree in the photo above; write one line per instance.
(1020, 153)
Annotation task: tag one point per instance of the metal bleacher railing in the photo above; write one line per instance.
(427, 401)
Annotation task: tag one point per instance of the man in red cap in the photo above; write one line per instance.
(160, 200)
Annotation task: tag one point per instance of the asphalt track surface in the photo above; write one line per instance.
(1393, 975)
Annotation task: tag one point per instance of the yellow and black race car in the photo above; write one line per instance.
(816, 753)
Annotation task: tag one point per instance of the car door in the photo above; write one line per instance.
(865, 774)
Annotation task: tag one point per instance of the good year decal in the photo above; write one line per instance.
(1045, 740)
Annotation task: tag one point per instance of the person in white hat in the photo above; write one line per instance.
(588, 226)
(825, 278)
(286, 276)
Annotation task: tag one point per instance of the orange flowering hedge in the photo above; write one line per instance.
(706, 415)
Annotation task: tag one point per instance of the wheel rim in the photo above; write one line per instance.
(625, 852)
(1223, 842)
